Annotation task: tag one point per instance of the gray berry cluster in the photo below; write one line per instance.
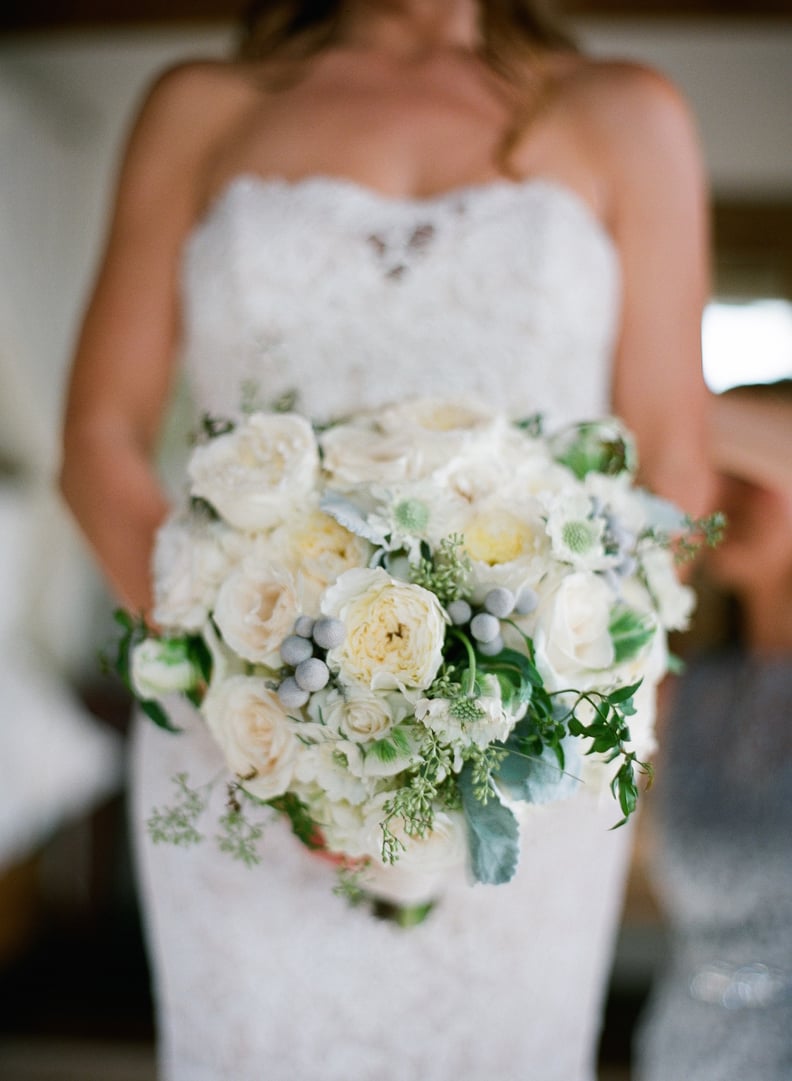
(299, 651)
(484, 624)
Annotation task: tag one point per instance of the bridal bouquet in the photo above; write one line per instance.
(403, 628)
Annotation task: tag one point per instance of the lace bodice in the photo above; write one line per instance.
(510, 293)
(507, 291)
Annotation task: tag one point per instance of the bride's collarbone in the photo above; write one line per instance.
(403, 148)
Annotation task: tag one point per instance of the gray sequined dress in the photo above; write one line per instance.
(722, 1011)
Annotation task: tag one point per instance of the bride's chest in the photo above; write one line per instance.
(480, 289)
(528, 243)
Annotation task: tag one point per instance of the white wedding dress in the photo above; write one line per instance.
(507, 292)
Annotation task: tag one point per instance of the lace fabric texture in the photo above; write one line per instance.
(508, 293)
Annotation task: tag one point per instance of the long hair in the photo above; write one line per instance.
(513, 33)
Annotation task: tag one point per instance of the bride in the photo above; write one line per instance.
(383, 198)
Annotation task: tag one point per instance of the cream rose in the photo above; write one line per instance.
(439, 417)
(394, 631)
(571, 634)
(406, 442)
(316, 547)
(255, 475)
(356, 453)
(255, 610)
(248, 722)
(191, 558)
(361, 715)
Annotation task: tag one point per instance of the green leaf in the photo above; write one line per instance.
(515, 672)
(493, 835)
(629, 632)
(542, 778)
(157, 714)
(532, 425)
(303, 826)
(399, 736)
(200, 655)
(624, 693)
(383, 749)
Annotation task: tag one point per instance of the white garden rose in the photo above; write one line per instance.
(406, 442)
(248, 722)
(255, 475)
(461, 726)
(255, 610)
(357, 453)
(162, 666)
(394, 631)
(507, 546)
(318, 550)
(675, 602)
(571, 635)
(191, 557)
(439, 417)
(510, 467)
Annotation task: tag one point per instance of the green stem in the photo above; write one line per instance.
(471, 672)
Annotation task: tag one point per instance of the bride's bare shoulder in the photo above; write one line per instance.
(186, 104)
(630, 109)
(186, 117)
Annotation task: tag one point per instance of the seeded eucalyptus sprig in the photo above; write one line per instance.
(427, 784)
(446, 571)
(177, 824)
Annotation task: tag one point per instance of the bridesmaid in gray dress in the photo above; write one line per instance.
(723, 805)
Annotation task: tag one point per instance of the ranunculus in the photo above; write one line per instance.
(191, 558)
(255, 475)
(249, 723)
(394, 631)
(162, 666)
(255, 610)
(571, 634)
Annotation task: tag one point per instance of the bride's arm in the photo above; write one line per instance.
(123, 366)
(660, 219)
